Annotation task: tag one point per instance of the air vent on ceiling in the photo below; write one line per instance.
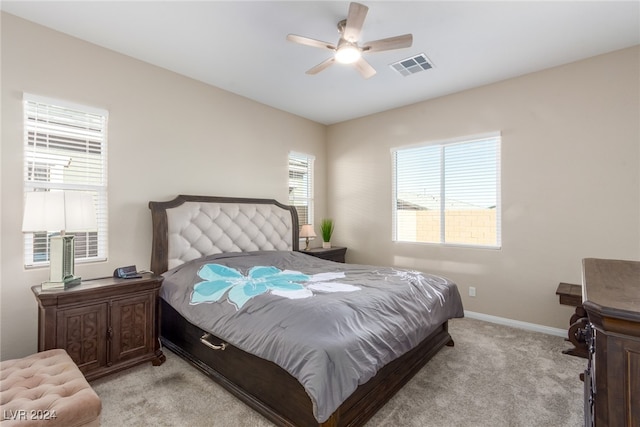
(412, 65)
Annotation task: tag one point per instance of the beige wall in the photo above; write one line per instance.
(168, 135)
(570, 155)
(570, 182)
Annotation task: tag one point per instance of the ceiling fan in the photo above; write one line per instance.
(347, 51)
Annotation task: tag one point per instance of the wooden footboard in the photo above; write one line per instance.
(276, 394)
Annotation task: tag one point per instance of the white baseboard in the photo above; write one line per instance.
(516, 323)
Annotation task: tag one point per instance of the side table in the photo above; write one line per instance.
(105, 325)
(332, 254)
(571, 294)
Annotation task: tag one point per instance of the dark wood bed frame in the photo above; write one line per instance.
(262, 384)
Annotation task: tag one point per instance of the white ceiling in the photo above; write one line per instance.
(241, 46)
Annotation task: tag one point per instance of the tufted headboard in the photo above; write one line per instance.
(189, 227)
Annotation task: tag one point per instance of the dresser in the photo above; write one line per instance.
(105, 325)
(611, 293)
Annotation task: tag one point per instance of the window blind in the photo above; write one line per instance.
(301, 185)
(448, 192)
(65, 148)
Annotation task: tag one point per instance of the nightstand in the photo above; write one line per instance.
(332, 254)
(105, 325)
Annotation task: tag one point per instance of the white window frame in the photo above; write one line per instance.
(304, 196)
(56, 133)
(441, 198)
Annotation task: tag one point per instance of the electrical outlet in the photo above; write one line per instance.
(472, 291)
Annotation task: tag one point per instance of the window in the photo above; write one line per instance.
(301, 186)
(448, 192)
(65, 149)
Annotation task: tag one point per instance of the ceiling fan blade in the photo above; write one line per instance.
(310, 42)
(397, 42)
(355, 21)
(365, 68)
(321, 66)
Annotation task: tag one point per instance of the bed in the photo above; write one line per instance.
(301, 340)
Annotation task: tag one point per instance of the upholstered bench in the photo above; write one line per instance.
(46, 389)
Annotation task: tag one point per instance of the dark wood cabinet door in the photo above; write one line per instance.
(82, 331)
(624, 381)
(133, 327)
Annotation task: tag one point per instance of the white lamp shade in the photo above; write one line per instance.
(59, 211)
(80, 211)
(347, 54)
(307, 231)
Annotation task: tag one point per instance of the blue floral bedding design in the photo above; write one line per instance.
(220, 280)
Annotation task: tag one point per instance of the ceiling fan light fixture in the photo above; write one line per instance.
(347, 54)
(347, 51)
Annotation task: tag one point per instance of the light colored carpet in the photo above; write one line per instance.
(495, 376)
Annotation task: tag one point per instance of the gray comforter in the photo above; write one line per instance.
(332, 326)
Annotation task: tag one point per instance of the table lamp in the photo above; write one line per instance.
(53, 211)
(307, 232)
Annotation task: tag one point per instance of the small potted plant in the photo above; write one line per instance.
(326, 228)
